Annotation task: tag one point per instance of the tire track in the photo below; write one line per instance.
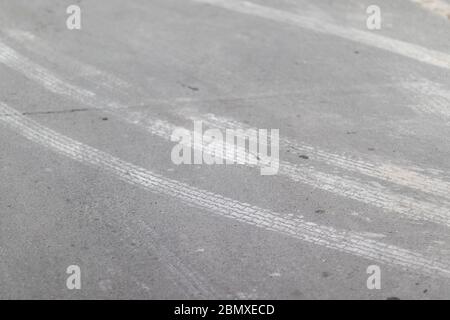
(409, 176)
(376, 196)
(35, 72)
(328, 237)
(402, 48)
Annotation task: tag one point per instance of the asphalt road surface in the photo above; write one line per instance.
(87, 178)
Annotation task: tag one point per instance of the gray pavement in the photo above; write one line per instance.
(364, 122)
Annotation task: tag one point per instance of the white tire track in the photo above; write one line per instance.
(82, 70)
(409, 176)
(86, 97)
(339, 240)
(376, 196)
(405, 49)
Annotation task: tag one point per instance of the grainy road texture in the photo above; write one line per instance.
(87, 179)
